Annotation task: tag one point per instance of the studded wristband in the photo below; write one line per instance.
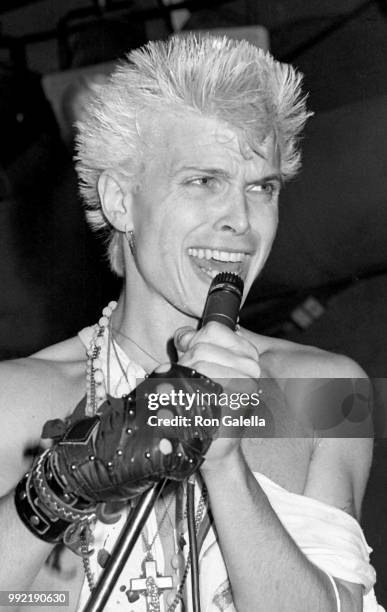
(44, 505)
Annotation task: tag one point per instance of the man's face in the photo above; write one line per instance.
(204, 207)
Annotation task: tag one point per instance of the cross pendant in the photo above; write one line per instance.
(151, 586)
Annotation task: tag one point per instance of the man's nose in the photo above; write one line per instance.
(234, 214)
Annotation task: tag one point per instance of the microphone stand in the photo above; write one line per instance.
(123, 548)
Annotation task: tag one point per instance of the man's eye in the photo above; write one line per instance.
(266, 188)
(203, 181)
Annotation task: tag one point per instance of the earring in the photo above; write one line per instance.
(130, 237)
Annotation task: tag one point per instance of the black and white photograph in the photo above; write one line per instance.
(193, 314)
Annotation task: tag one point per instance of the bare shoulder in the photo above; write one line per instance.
(286, 359)
(46, 385)
(333, 394)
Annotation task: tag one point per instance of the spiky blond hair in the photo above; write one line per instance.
(231, 80)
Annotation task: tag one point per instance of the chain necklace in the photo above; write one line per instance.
(96, 386)
(181, 543)
(176, 596)
(120, 333)
(175, 561)
(96, 391)
(153, 582)
(95, 378)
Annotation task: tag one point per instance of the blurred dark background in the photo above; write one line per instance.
(326, 281)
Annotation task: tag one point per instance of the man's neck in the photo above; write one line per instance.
(145, 328)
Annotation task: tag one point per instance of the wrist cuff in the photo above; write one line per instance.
(45, 507)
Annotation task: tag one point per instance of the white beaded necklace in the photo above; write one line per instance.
(95, 379)
(96, 392)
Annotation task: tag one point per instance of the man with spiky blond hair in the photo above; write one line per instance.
(181, 155)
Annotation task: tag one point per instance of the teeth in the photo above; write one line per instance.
(216, 255)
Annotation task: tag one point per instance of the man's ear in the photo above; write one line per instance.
(115, 193)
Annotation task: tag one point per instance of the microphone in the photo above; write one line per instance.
(223, 300)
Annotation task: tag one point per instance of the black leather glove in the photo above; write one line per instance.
(116, 455)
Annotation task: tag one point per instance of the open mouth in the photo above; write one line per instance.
(213, 261)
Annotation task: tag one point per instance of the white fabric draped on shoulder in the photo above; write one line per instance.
(329, 537)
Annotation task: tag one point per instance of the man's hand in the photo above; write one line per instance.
(227, 358)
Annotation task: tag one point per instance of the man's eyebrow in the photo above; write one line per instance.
(213, 171)
(269, 177)
(225, 174)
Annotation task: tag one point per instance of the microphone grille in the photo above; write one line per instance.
(228, 277)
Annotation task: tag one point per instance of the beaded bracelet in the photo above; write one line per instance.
(46, 508)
